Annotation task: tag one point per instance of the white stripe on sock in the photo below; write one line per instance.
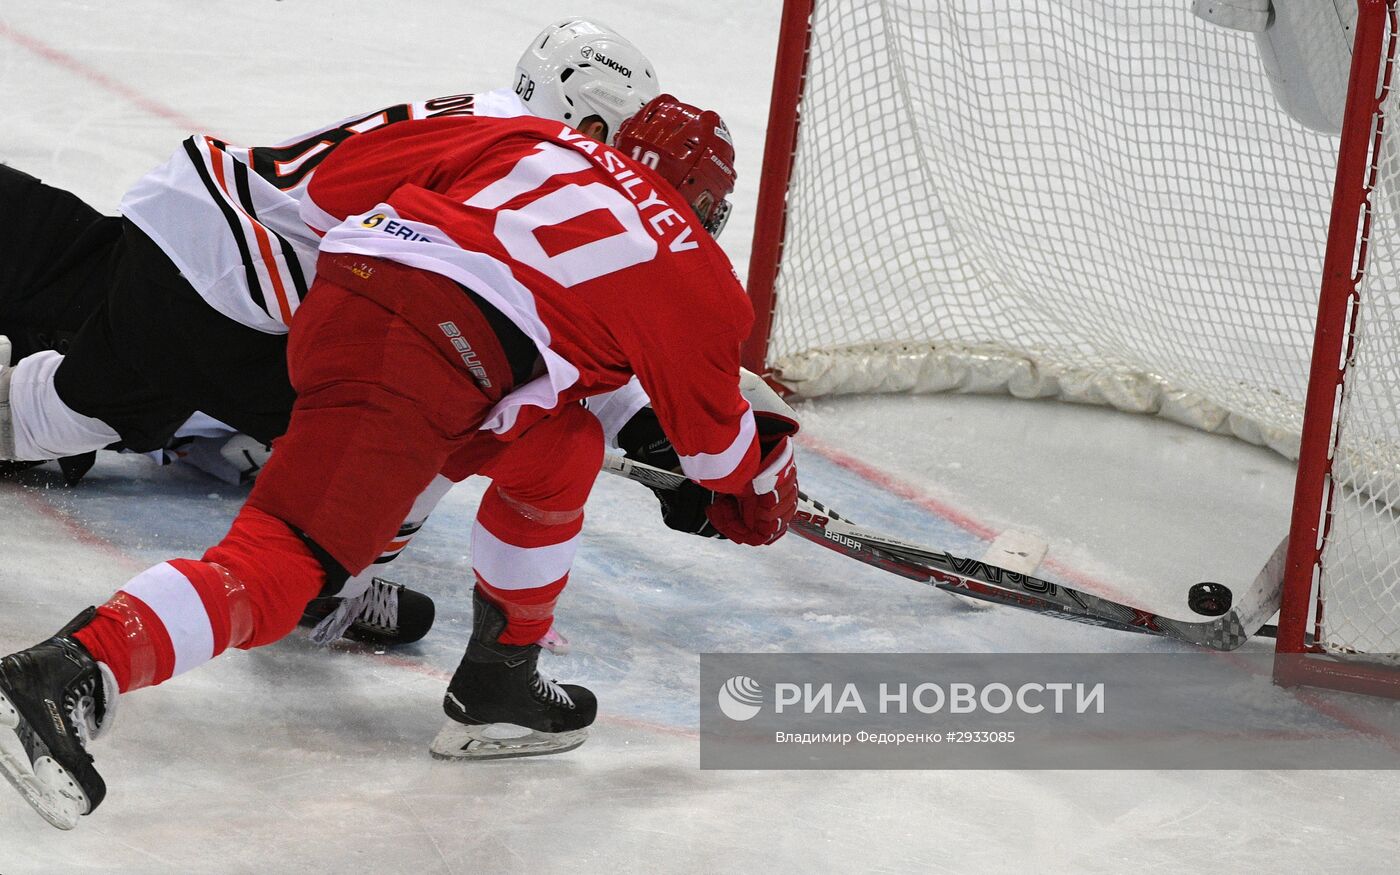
(506, 566)
(176, 602)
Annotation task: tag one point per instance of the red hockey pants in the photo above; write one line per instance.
(381, 409)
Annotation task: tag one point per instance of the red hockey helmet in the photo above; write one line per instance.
(690, 148)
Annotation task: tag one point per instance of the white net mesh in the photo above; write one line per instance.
(1098, 200)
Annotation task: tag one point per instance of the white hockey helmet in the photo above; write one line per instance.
(578, 68)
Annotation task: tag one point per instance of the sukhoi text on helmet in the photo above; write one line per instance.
(609, 62)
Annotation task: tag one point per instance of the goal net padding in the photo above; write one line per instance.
(1098, 201)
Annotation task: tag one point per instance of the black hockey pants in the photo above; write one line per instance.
(142, 350)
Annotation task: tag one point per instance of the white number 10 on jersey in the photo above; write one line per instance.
(618, 245)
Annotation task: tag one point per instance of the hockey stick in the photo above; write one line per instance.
(815, 522)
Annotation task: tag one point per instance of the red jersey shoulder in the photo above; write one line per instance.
(544, 199)
(519, 163)
(491, 163)
(661, 206)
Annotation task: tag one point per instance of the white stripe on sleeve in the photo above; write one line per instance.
(717, 466)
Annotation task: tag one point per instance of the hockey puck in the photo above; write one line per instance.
(1210, 599)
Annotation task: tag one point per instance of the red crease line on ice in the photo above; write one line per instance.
(946, 511)
(60, 58)
(77, 530)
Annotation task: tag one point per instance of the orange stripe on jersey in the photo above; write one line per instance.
(259, 233)
(265, 249)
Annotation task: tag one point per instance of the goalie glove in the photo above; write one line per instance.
(761, 513)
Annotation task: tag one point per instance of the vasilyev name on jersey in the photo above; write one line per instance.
(666, 224)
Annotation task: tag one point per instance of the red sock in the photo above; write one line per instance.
(247, 591)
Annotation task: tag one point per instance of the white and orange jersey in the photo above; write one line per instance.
(591, 254)
(229, 216)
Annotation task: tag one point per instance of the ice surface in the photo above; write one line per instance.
(294, 759)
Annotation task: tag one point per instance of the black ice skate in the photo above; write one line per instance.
(54, 700)
(498, 705)
(386, 615)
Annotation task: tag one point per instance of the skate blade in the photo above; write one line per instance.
(45, 785)
(498, 741)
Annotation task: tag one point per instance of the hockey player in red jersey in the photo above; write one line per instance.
(126, 326)
(477, 279)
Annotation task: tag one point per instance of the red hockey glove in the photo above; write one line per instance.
(686, 508)
(760, 515)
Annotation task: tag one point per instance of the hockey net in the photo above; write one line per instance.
(1099, 201)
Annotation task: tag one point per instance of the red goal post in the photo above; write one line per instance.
(1103, 202)
(1342, 537)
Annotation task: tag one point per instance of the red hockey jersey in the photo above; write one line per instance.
(598, 260)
